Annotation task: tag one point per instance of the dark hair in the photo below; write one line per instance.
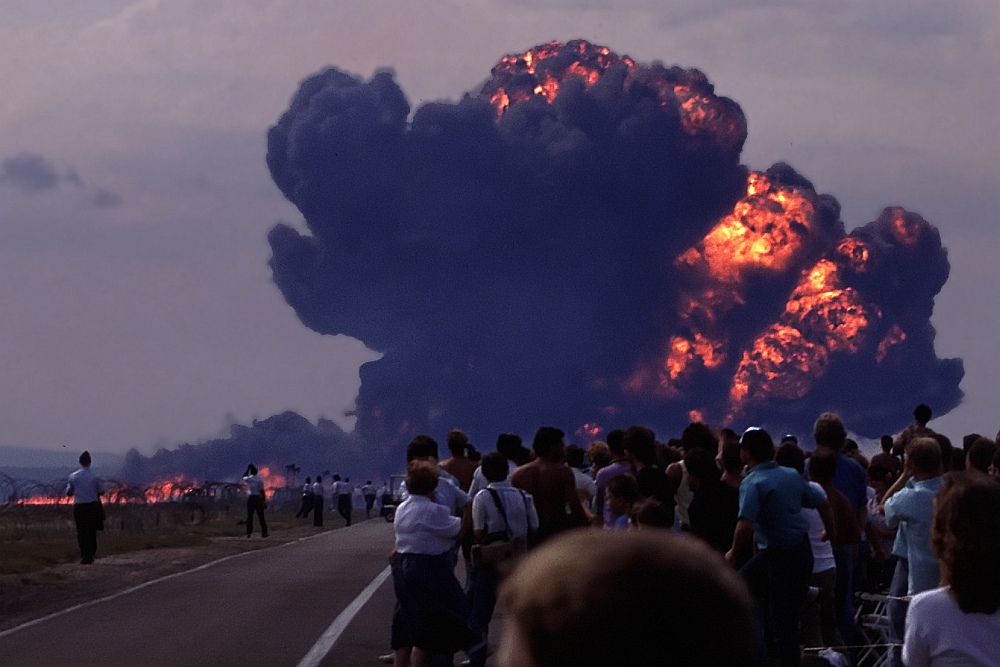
(886, 443)
(652, 513)
(822, 467)
(731, 461)
(509, 444)
(616, 442)
(308, 479)
(547, 440)
(758, 444)
(850, 445)
(790, 455)
(336, 478)
(421, 447)
(701, 464)
(981, 454)
(623, 486)
(421, 477)
(457, 442)
(575, 456)
(640, 442)
(495, 467)
(85, 458)
(829, 431)
(925, 453)
(698, 434)
(252, 469)
(595, 598)
(965, 535)
(922, 413)
(969, 439)
(944, 442)
(877, 472)
(319, 478)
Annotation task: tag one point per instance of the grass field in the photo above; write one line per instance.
(34, 537)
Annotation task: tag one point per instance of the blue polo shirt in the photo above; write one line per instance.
(772, 498)
(912, 509)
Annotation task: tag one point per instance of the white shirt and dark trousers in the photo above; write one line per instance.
(255, 503)
(85, 488)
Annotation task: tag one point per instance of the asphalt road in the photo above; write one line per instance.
(296, 604)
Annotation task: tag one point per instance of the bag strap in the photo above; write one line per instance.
(503, 514)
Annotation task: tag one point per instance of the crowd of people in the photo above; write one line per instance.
(715, 548)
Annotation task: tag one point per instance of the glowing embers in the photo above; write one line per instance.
(766, 231)
(895, 336)
(821, 318)
(539, 72)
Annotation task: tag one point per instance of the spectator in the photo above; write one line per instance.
(715, 506)
(586, 488)
(618, 466)
(729, 458)
(880, 536)
(507, 513)
(430, 606)
(459, 465)
(918, 429)
(622, 495)
(640, 447)
(958, 624)
(695, 435)
(651, 513)
(981, 455)
(886, 459)
(550, 481)
(592, 599)
(771, 502)
(86, 489)
(508, 444)
(908, 507)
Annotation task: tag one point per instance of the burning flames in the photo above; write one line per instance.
(540, 73)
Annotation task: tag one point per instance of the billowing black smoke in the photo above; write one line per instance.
(513, 254)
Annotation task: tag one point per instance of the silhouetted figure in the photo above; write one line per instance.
(307, 499)
(256, 501)
(318, 493)
(368, 491)
(85, 488)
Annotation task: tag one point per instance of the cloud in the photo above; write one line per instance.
(34, 173)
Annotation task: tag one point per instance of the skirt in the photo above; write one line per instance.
(431, 611)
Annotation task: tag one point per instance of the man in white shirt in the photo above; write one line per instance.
(368, 491)
(256, 500)
(85, 488)
(497, 510)
(344, 493)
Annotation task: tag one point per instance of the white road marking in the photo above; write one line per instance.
(332, 634)
(90, 603)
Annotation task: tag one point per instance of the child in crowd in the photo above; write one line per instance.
(622, 492)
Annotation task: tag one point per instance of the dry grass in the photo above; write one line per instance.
(33, 538)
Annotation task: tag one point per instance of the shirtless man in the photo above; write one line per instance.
(459, 464)
(552, 484)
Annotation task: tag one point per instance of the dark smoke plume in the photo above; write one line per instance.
(554, 249)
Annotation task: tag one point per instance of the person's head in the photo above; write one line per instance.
(457, 442)
(651, 513)
(251, 469)
(731, 462)
(308, 480)
(548, 443)
(336, 478)
(789, 437)
(702, 469)
(850, 446)
(886, 442)
(922, 414)
(616, 443)
(790, 455)
(756, 446)
(422, 447)
(879, 478)
(85, 460)
(829, 432)
(368, 482)
(621, 492)
(421, 477)
(924, 454)
(947, 451)
(599, 454)
(319, 479)
(823, 467)
(645, 597)
(981, 455)
(509, 444)
(575, 456)
(640, 445)
(965, 535)
(495, 467)
(701, 435)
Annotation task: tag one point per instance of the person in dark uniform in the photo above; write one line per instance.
(368, 491)
(256, 501)
(318, 501)
(85, 488)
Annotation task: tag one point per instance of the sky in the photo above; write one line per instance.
(137, 303)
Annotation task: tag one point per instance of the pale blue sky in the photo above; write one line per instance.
(134, 199)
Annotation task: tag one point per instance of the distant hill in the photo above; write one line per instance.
(47, 464)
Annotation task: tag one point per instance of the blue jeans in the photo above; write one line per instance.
(782, 573)
(897, 610)
(482, 601)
